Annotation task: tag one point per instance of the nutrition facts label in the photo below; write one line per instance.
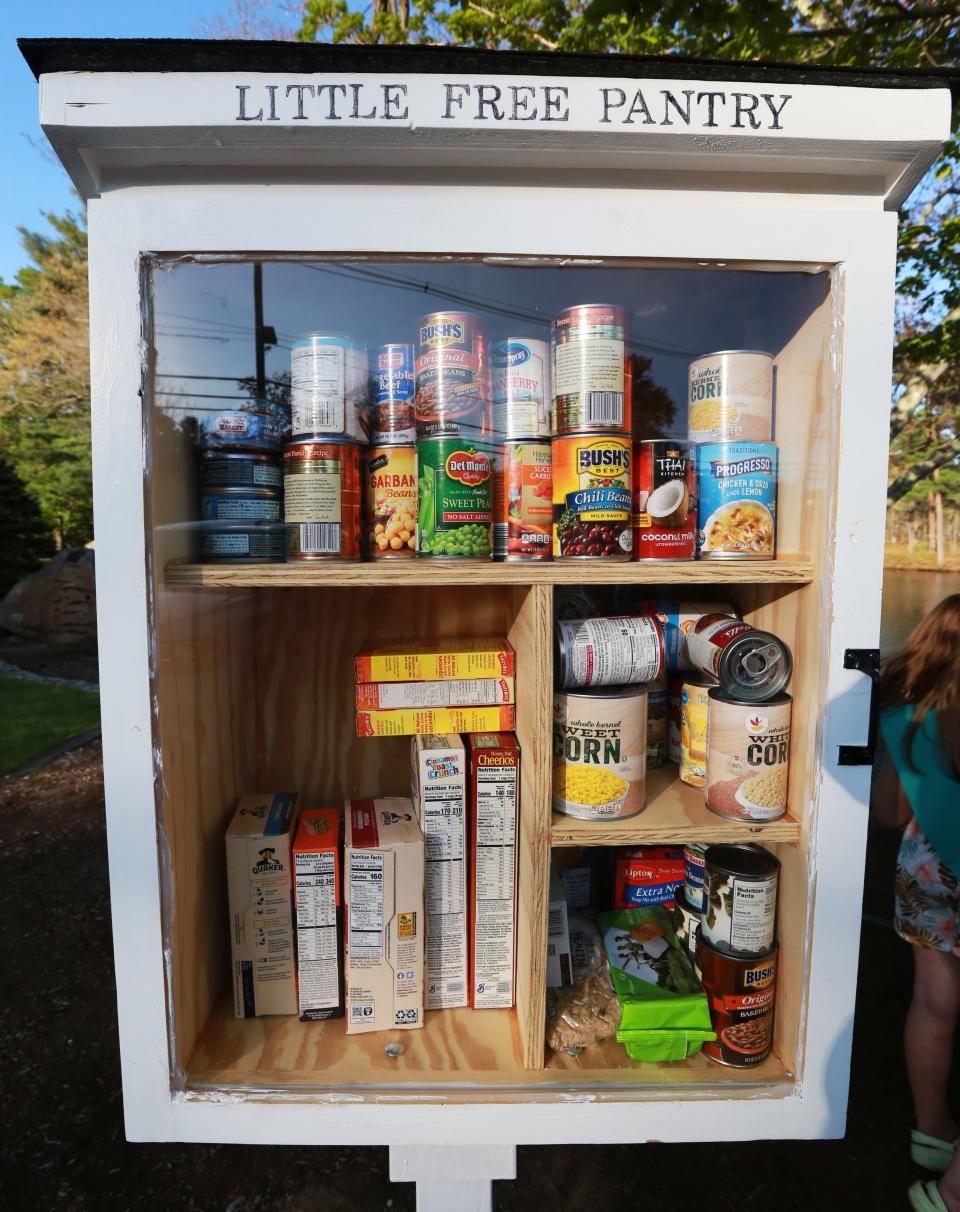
(445, 843)
(316, 900)
(494, 910)
(365, 904)
(317, 387)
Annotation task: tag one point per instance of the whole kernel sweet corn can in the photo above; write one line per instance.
(731, 397)
(600, 752)
(748, 756)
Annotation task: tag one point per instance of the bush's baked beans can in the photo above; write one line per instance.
(522, 501)
(740, 898)
(625, 651)
(694, 858)
(455, 499)
(664, 501)
(521, 389)
(731, 397)
(749, 664)
(656, 723)
(737, 501)
(588, 351)
(748, 756)
(321, 498)
(239, 469)
(693, 728)
(390, 502)
(600, 753)
(452, 374)
(741, 993)
(592, 484)
(329, 386)
(240, 505)
(393, 419)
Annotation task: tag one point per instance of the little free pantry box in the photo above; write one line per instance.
(240, 194)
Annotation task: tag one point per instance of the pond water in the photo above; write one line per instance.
(907, 597)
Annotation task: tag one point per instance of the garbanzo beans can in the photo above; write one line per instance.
(600, 753)
(390, 502)
(748, 756)
(592, 487)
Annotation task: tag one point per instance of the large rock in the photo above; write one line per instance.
(56, 604)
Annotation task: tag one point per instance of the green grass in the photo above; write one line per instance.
(37, 716)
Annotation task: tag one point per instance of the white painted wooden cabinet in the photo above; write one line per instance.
(724, 206)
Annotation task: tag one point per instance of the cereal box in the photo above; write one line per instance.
(318, 915)
(437, 660)
(414, 721)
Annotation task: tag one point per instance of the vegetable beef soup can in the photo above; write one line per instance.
(239, 469)
(523, 501)
(694, 699)
(393, 419)
(748, 663)
(588, 364)
(455, 499)
(625, 651)
(748, 756)
(731, 397)
(390, 502)
(741, 993)
(521, 389)
(452, 374)
(329, 386)
(592, 484)
(740, 898)
(599, 752)
(664, 501)
(240, 505)
(321, 498)
(737, 501)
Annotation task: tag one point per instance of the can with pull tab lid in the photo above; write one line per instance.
(752, 665)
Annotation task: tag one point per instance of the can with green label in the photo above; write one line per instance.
(456, 498)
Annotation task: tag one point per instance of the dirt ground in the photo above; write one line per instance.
(63, 1146)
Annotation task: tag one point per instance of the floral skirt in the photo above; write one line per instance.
(928, 895)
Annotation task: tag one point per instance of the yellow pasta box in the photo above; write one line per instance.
(415, 722)
(435, 660)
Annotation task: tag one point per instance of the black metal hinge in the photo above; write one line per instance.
(866, 661)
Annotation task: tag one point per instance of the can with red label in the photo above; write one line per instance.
(452, 375)
(741, 993)
(392, 417)
(321, 498)
(592, 479)
(523, 501)
(751, 664)
(664, 501)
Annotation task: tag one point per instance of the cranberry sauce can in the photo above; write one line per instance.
(664, 501)
(521, 389)
(592, 481)
(588, 353)
(522, 501)
(393, 420)
(452, 377)
(321, 498)
(741, 993)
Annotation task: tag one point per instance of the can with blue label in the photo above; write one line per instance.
(240, 505)
(393, 419)
(737, 490)
(253, 428)
(521, 389)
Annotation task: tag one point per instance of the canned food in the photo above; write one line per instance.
(329, 386)
(750, 664)
(591, 496)
(748, 756)
(599, 753)
(240, 505)
(676, 619)
(686, 925)
(242, 542)
(588, 356)
(694, 856)
(239, 469)
(737, 490)
(244, 428)
(390, 502)
(522, 501)
(740, 898)
(741, 993)
(574, 602)
(674, 703)
(693, 729)
(321, 496)
(456, 499)
(452, 376)
(656, 723)
(608, 652)
(393, 419)
(664, 501)
(521, 389)
(731, 397)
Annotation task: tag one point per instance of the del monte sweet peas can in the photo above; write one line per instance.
(456, 498)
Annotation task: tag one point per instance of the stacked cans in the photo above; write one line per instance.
(523, 459)
(390, 465)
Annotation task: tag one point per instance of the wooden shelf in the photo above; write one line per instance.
(674, 813)
(785, 571)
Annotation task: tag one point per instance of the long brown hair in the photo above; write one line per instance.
(926, 673)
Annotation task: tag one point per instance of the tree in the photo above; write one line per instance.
(26, 542)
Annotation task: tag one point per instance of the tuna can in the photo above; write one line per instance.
(740, 898)
(674, 703)
(676, 619)
(624, 651)
(390, 502)
(522, 501)
(694, 856)
(456, 499)
(240, 505)
(242, 542)
(737, 491)
(741, 993)
(686, 925)
(749, 664)
(591, 496)
(731, 397)
(693, 729)
(329, 386)
(521, 389)
(321, 497)
(656, 723)
(588, 353)
(599, 753)
(452, 376)
(250, 428)
(239, 469)
(664, 501)
(748, 756)
(393, 419)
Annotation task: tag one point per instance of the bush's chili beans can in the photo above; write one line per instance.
(393, 419)
(731, 397)
(592, 486)
(664, 501)
(741, 993)
(737, 501)
(693, 728)
(240, 505)
(521, 389)
(329, 386)
(625, 651)
(390, 502)
(599, 752)
(452, 374)
(750, 664)
(523, 501)
(748, 756)
(588, 360)
(239, 469)
(455, 499)
(740, 898)
(321, 498)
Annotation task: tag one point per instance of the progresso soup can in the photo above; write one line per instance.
(589, 355)
(592, 486)
(521, 389)
(455, 499)
(624, 651)
(393, 419)
(731, 397)
(737, 490)
(748, 756)
(664, 501)
(321, 498)
(452, 374)
(600, 753)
